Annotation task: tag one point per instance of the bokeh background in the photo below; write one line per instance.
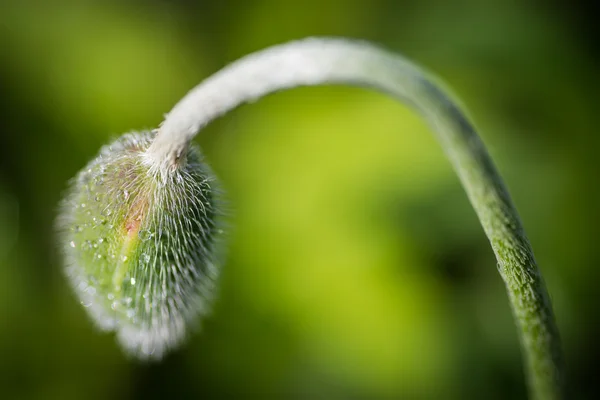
(356, 267)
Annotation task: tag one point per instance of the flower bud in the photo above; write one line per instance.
(140, 246)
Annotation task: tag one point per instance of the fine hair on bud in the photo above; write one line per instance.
(141, 246)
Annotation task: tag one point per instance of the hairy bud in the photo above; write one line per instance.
(140, 246)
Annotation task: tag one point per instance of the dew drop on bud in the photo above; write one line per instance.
(144, 234)
(124, 280)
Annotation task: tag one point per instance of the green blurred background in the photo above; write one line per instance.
(357, 269)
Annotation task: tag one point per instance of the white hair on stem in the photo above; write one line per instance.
(317, 61)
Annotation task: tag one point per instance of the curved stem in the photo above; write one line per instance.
(338, 61)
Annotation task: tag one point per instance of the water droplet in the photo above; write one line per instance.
(146, 257)
(144, 234)
(111, 296)
(132, 281)
(130, 313)
(82, 205)
(101, 240)
(124, 258)
(99, 256)
(126, 194)
(72, 243)
(86, 305)
(114, 305)
(78, 228)
(97, 198)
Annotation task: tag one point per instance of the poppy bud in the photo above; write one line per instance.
(140, 246)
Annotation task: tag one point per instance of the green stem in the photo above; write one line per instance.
(339, 61)
(529, 298)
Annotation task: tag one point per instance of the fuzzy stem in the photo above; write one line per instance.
(318, 61)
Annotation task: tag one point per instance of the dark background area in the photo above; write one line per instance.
(356, 267)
